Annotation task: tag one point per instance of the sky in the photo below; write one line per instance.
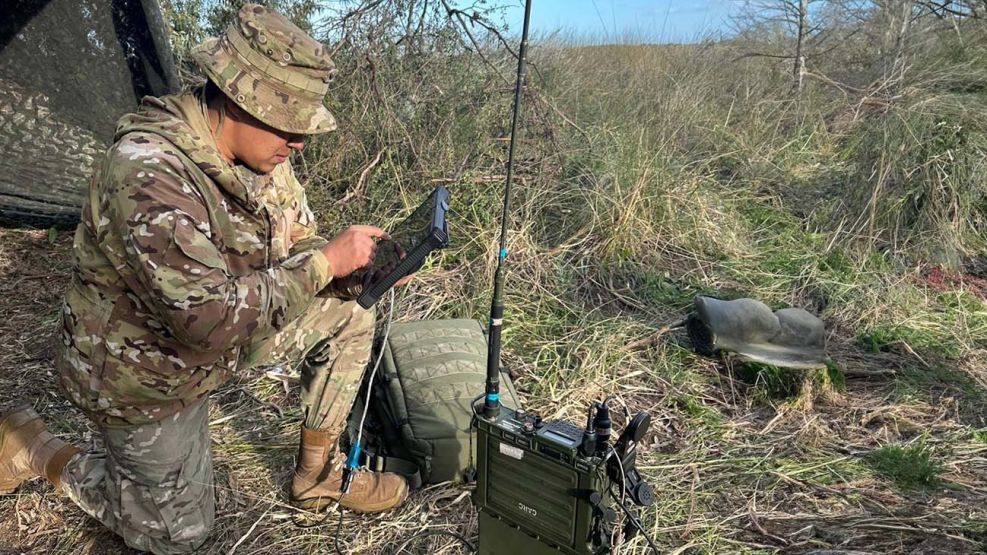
(610, 20)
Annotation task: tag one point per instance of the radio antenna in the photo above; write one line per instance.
(491, 405)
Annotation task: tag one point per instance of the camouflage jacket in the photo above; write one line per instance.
(180, 260)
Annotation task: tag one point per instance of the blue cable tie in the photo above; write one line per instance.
(493, 396)
(353, 460)
(503, 253)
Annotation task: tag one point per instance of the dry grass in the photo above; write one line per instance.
(647, 175)
(738, 471)
(254, 429)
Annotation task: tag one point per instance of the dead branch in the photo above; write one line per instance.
(357, 189)
(356, 14)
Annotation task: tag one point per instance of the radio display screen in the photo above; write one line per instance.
(555, 436)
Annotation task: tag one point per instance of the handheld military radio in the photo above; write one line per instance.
(547, 487)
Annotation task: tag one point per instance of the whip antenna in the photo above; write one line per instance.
(491, 404)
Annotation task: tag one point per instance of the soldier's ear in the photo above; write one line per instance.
(239, 114)
(233, 111)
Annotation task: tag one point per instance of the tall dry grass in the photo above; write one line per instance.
(647, 175)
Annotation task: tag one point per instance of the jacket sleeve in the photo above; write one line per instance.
(178, 272)
(304, 227)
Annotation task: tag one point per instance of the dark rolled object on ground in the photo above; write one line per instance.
(790, 337)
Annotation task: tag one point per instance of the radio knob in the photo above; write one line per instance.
(519, 414)
(529, 426)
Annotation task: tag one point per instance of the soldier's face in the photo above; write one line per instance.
(261, 147)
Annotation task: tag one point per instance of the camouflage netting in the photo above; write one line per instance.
(68, 70)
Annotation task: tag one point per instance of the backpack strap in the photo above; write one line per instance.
(381, 463)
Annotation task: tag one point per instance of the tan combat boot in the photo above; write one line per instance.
(27, 450)
(319, 475)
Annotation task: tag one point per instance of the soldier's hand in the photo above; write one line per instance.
(352, 249)
(399, 254)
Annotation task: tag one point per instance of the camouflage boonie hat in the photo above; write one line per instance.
(272, 69)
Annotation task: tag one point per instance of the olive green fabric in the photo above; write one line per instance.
(790, 337)
(430, 373)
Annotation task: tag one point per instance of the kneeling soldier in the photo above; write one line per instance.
(197, 256)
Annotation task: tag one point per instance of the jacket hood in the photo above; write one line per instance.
(181, 120)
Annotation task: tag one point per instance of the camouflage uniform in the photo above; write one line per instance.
(153, 484)
(186, 271)
(332, 340)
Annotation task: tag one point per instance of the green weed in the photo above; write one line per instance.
(909, 466)
(832, 376)
(698, 411)
(882, 336)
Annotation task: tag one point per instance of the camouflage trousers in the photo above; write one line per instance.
(153, 483)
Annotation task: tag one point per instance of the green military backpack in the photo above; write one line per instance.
(418, 421)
